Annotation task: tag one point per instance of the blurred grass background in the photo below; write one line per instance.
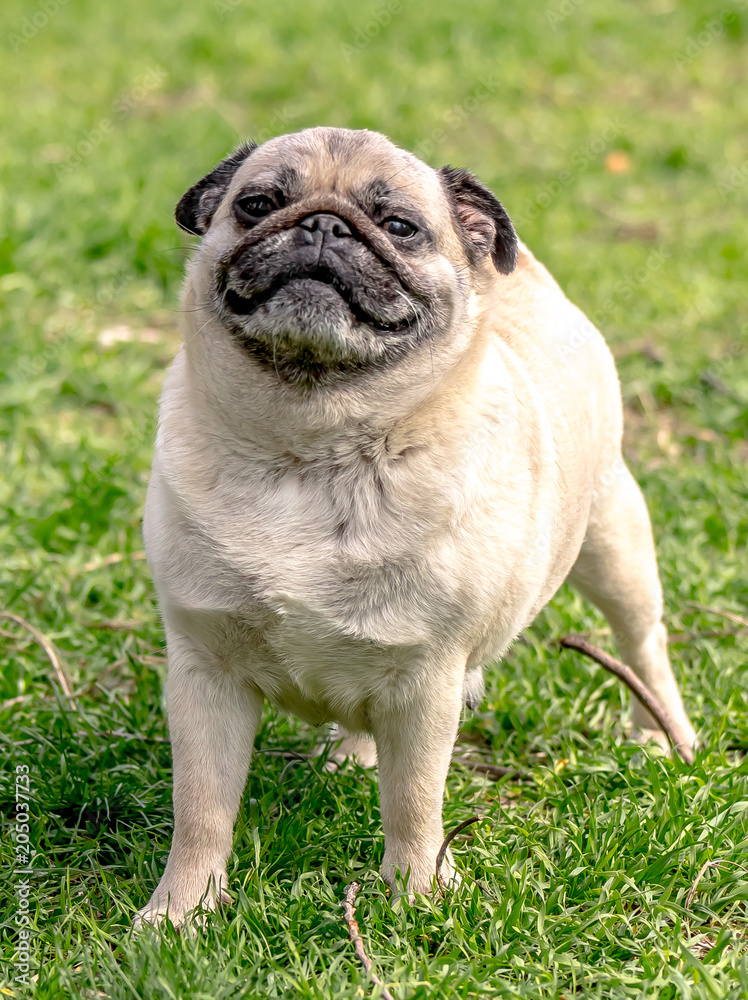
(617, 137)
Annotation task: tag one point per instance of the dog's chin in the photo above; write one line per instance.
(307, 333)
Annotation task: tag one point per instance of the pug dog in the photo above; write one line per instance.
(385, 442)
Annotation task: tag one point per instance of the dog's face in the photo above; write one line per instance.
(329, 252)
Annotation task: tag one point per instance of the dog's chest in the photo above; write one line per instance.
(311, 556)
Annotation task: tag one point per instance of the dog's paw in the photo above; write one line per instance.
(653, 737)
(341, 747)
(418, 876)
(649, 737)
(175, 901)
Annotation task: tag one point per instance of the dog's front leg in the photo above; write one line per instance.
(212, 724)
(414, 748)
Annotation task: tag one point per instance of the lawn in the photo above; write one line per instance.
(617, 137)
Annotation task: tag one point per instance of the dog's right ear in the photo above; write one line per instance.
(197, 207)
(482, 220)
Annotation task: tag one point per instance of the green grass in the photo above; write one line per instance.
(588, 863)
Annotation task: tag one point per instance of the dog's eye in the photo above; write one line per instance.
(253, 207)
(399, 227)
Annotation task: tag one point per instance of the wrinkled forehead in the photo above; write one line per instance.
(343, 161)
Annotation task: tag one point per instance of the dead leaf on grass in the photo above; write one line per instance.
(617, 162)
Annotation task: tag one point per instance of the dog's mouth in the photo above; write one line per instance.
(246, 306)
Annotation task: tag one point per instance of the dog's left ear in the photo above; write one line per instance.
(197, 207)
(484, 225)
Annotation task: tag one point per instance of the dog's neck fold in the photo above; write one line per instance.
(264, 418)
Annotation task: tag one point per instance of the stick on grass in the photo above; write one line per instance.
(730, 615)
(349, 914)
(699, 876)
(645, 696)
(448, 840)
(49, 649)
(493, 771)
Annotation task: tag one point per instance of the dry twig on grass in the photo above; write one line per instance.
(448, 840)
(124, 734)
(686, 638)
(285, 754)
(493, 771)
(101, 562)
(645, 696)
(49, 649)
(114, 625)
(14, 701)
(349, 914)
(699, 876)
(730, 615)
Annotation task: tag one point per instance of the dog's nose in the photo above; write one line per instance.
(321, 225)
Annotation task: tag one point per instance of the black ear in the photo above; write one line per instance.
(483, 223)
(197, 207)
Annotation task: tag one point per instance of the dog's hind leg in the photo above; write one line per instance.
(344, 746)
(617, 571)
